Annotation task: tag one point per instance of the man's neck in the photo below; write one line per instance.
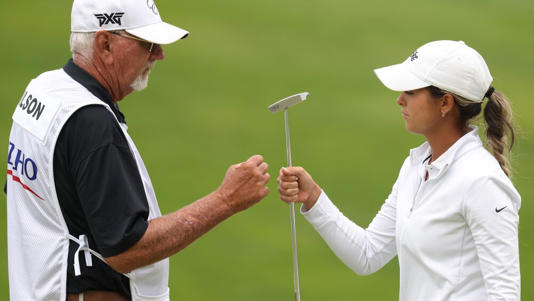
(98, 72)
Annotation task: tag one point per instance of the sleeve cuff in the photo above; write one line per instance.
(322, 212)
(129, 239)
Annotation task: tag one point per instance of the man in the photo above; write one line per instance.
(83, 219)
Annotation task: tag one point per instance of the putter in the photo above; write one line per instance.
(284, 104)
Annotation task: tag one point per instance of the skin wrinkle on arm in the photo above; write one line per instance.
(242, 187)
(165, 235)
(169, 234)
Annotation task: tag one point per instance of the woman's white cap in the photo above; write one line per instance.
(449, 65)
(138, 17)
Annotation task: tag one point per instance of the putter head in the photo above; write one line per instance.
(287, 102)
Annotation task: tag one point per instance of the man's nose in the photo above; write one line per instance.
(158, 54)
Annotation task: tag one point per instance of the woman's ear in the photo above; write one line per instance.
(447, 103)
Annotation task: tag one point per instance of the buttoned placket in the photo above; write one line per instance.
(424, 168)
(434, 171)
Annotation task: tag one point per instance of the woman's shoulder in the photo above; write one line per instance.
(478, 169)
(479, 163)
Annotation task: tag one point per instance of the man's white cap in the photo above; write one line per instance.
(137, 17)
(449, 65)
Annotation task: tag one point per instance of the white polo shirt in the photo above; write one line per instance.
(455, 234)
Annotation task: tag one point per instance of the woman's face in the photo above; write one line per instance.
(421, 112)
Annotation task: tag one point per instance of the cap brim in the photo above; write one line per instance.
(159, 33)
(399, 78)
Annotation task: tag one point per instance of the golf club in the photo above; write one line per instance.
(284, 104)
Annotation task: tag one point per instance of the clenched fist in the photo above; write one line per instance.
(244, 184)
(296, 185)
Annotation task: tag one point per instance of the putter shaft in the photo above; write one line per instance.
(292, 215)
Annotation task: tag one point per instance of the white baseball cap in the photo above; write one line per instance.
(137, 17)
(449, 65)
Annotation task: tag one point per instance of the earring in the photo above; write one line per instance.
(442, 114)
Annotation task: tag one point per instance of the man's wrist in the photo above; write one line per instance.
(221, 198)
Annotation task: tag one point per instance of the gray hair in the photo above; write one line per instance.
(81, 43)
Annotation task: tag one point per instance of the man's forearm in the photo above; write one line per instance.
(171, 233)
(242, 186)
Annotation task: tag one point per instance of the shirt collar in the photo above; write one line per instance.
(91, 84)
(465, 144)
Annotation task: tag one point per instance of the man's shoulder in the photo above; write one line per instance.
(93, 125)
(57, 89)
(43, 80)
(57, 85)
(93, 118)
(94, 114)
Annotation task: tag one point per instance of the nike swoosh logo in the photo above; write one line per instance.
(499, 210)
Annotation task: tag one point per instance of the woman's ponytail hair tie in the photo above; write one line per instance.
(490, 92)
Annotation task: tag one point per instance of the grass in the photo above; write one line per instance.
(206, 108)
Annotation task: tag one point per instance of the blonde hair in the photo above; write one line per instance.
(500, 136)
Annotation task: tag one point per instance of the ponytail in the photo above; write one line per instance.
(498, 117)
(499, 130)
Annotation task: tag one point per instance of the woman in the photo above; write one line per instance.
(452, 215)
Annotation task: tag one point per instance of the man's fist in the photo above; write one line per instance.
(244, 183)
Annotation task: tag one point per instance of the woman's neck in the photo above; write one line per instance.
(442, 139)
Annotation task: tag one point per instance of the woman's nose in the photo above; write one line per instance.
(400, 100)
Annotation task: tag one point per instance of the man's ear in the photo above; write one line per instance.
(102, 46)
(447, 103)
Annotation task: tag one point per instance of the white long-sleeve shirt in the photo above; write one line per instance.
(455, 234)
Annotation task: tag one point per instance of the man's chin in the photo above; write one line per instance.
(141, 81)
(139, 85)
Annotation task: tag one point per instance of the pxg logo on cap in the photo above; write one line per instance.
(113, 18)
(140, 18)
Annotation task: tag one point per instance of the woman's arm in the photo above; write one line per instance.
(363, 250)
(491, 212)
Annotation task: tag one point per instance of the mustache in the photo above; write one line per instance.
(150, 65)
(148, 68)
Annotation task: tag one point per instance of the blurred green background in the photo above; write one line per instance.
(206, 108)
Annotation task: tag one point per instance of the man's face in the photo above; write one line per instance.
(133, 63)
